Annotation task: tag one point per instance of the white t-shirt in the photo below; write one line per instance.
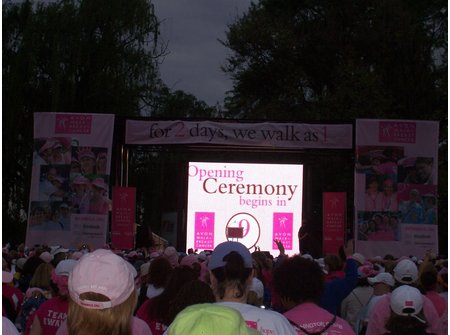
(263, 320)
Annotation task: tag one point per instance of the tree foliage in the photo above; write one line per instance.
(328, 60)
(77, 56)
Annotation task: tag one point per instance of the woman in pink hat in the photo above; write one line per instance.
(61, 151)
(102, 297)
(98, 201)
(101, 163)
(87, 160)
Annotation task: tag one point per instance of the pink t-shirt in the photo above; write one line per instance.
(438, 302)
(138, 327)
(382, 311)
(156, 327)
(52, 313)
(314, 318)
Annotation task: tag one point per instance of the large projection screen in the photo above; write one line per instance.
(263, 200)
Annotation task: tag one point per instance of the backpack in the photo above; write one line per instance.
(29, 306)
(329, 324)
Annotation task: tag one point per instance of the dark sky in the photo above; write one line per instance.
(192, 29)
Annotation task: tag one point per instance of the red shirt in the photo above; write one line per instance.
(51, 314)
(156, 327)
(14, 295)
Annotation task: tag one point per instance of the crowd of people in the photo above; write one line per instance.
(51, 290)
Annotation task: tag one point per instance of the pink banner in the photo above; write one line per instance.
(334, 209)
(282, 229)
(275, 135)
(69, 193)
(123, 217)
(204, 231)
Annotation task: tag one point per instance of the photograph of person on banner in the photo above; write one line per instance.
(53, 182)
(379, 160)
(418, 203)
(52, 150)
(379, 226)
(90, 161)
(373, 195)
(96, 201)
(416, 170)
(49, 217)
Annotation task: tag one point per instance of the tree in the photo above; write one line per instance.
(340, 60)
(327, 60)
(96, 56)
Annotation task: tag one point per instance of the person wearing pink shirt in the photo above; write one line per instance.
(405, 273)
(103, 297)
(299, 282)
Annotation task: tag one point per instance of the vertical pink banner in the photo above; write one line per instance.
(282, 229)
(123, 217)
(334, 209)
(204, 230)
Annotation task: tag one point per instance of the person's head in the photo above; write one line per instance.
(52, 173)
(428, 280)
(87, 160)
(42, 275)
(429, 200)
(382, 283)
(298, 280)
(424, 169)
(231, 269)
(359, 258)
(99, 186)
(159, 272)
(75, 166)
(393, 221)
(192, 293)
(172, 255)
(372, 184)
(101, 162)
(407, 316)
(414, 195)
(80, 184)
(31, 265)
(59, 254)
(60, 277)
(406, 272)
(159, 310)
(388, 187)
(209, 319)
(64, 209)
(102, 295)
(332, 263)
(38, 215)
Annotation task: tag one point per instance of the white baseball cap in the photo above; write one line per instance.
(382, 277)
(406, 272)
(407, 301)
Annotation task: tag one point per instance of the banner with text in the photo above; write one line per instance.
(396, 187)
(69, 202)
(123, 217)
(334, 209)
(276, 135)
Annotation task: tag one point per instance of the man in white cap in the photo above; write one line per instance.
(382, 284)
(405, 273)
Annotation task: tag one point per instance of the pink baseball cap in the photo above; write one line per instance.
(105, 273)
(100, 183)
(81, 180)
